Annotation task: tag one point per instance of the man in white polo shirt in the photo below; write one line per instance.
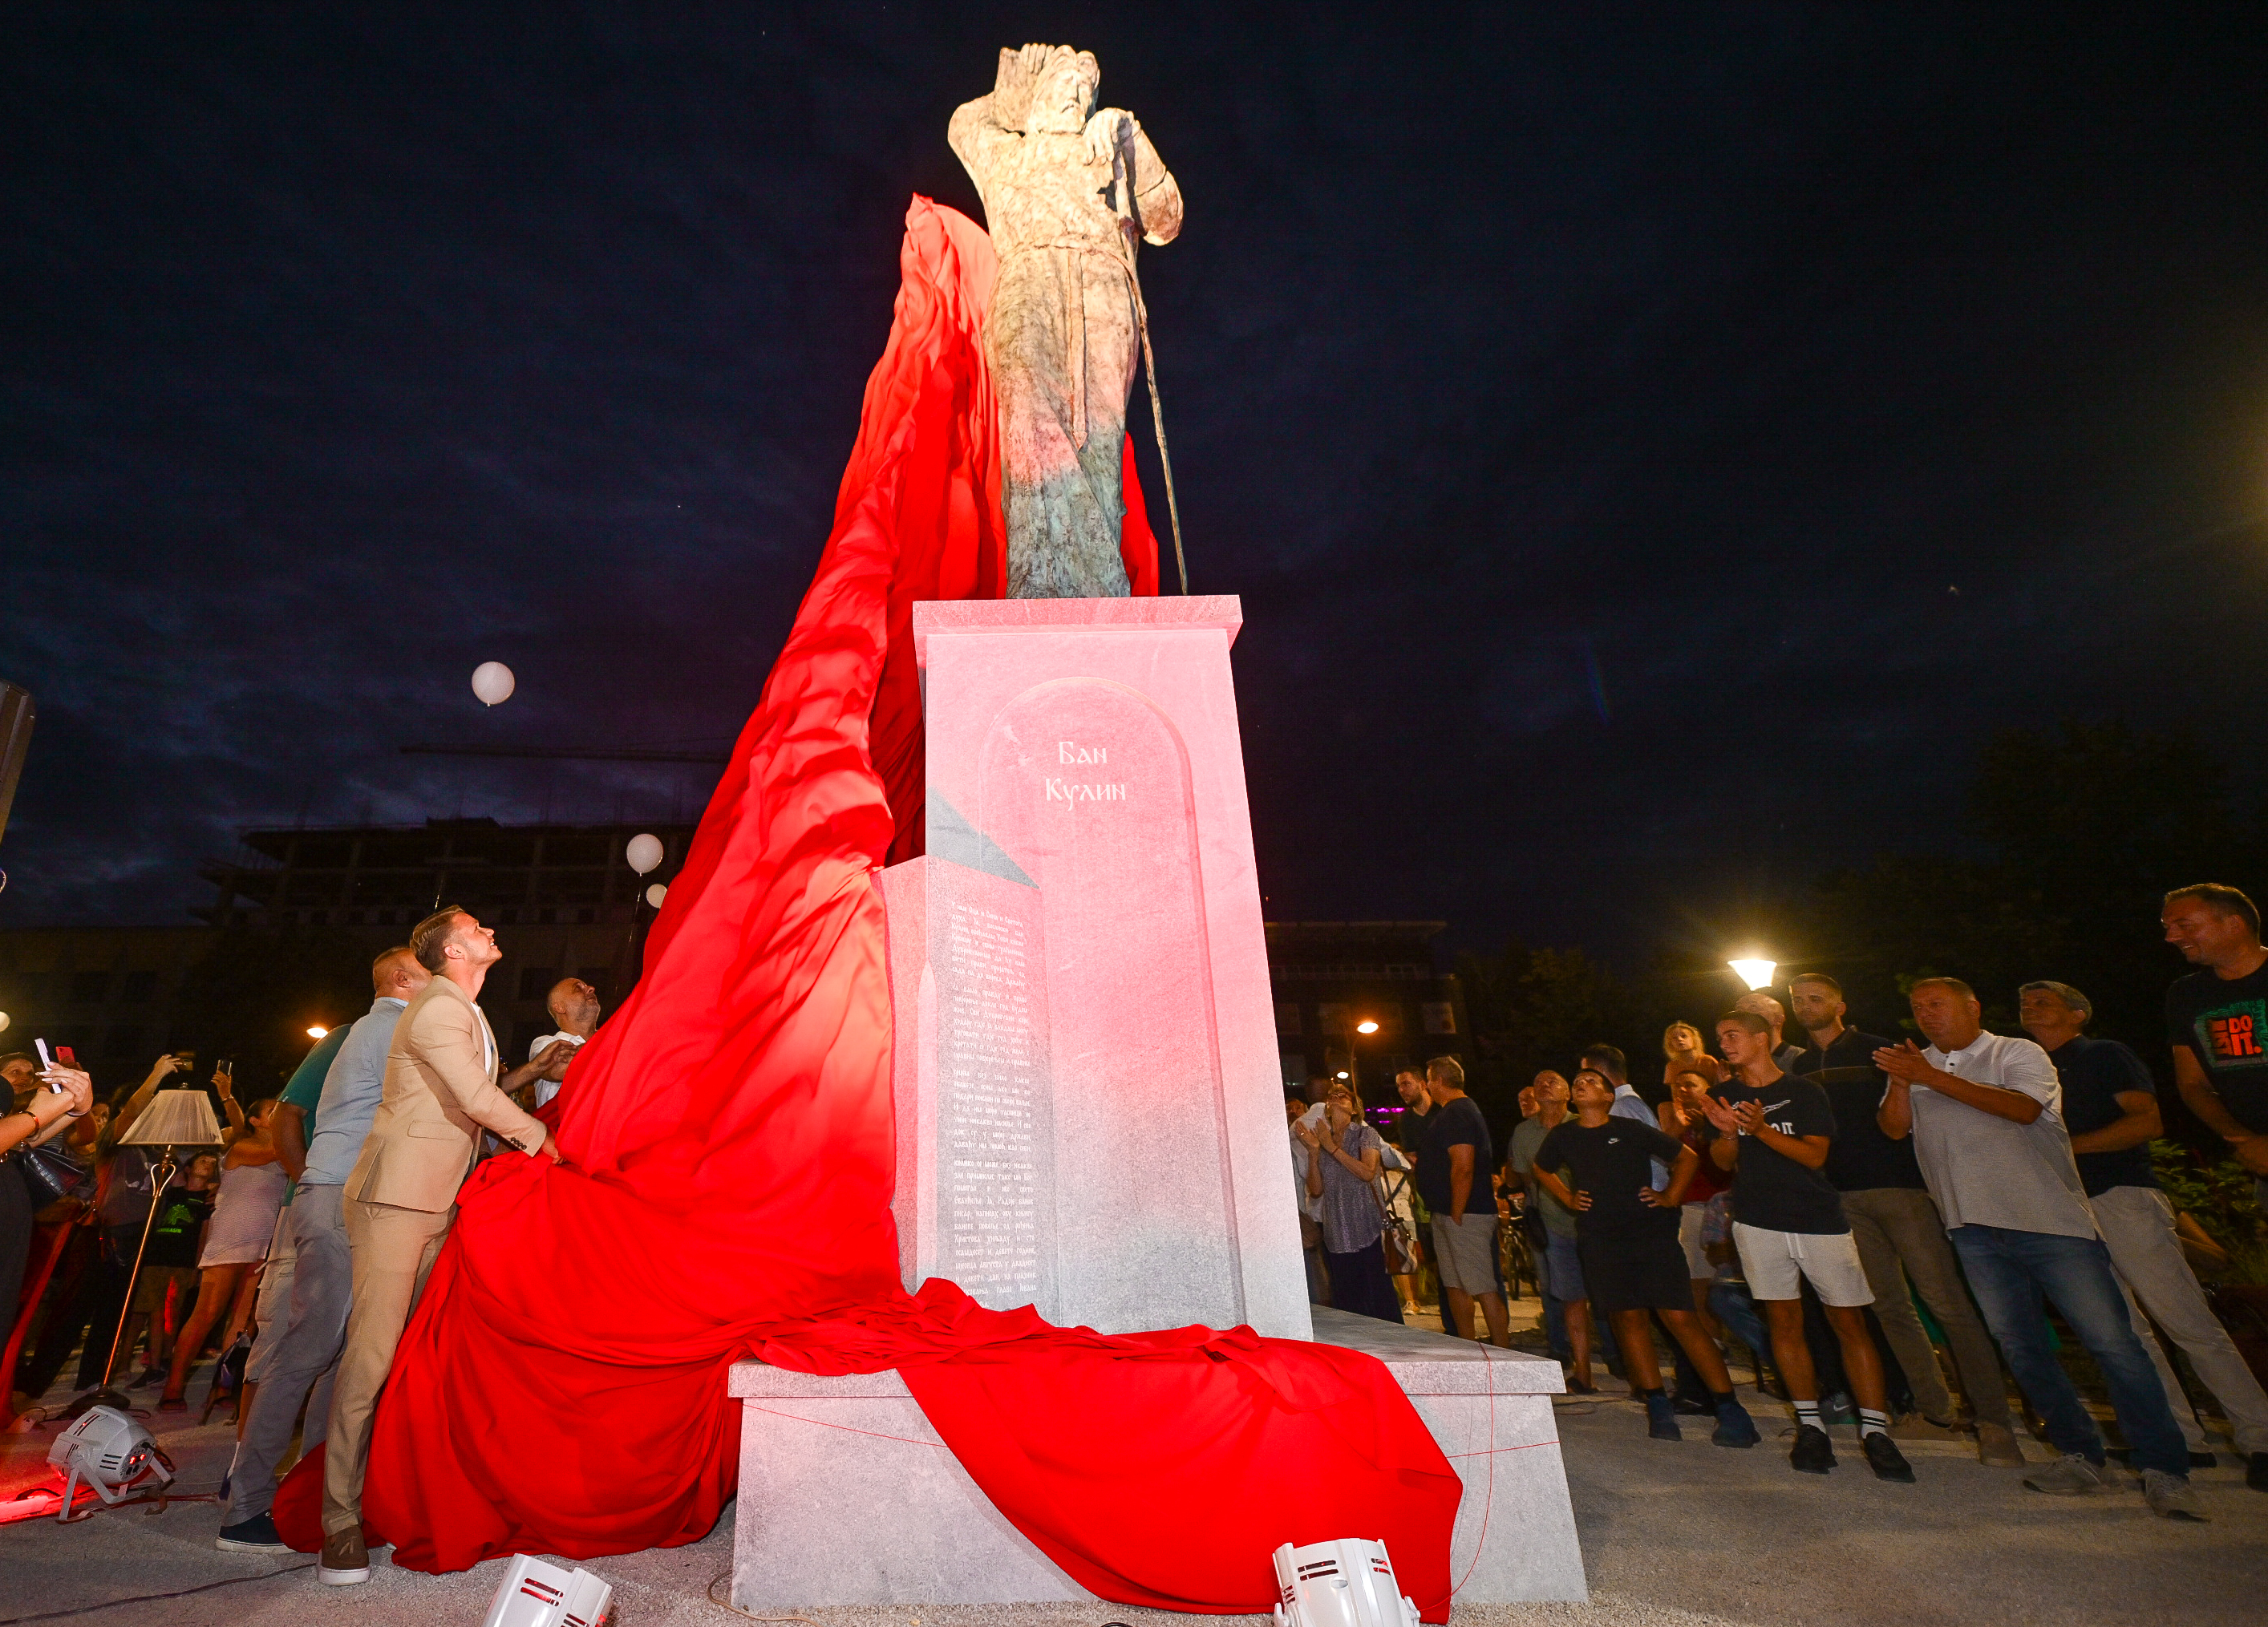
(1984, 1111)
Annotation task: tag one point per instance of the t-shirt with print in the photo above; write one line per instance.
(2225, 1021)
(1456, 1124)
(1770, 1190)
(2094, 1074)
(175, 1234)
(1611, 1161)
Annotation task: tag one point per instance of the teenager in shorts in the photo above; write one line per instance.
(1773, 1129)
(1601, 1167)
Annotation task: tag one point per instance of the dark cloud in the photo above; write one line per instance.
(1654, 447)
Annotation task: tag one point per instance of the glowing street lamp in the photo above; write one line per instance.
(316, 1032)
(1367, 1026)
(1756, 973)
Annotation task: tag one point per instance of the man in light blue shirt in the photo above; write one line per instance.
(307, 1349)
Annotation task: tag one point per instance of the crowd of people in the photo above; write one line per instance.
(1843, 1206)
(299, 1245)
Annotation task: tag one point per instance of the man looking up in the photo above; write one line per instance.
(1984, 1113)
(1897, 1229)
(299, 1353)
(1562, 1287)
(1452, 1177)
(1626, 1233)
(1773, 1013)
(574, 1005)
(439, 1093)
(2110, 1110)
(1773, 1131)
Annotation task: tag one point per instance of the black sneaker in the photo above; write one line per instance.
(1813, 1453)
(1884, 1458)
(1661, 1419)
(255, 1536)
(2256, 1471)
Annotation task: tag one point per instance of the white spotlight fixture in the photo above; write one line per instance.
(109, 1451)
(536, 1595)
(1348, 1583)
(1756, 973)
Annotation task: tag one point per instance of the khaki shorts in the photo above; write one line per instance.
(1775, 1264)
(1465, 1256)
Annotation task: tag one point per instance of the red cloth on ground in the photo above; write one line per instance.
(561, 1386)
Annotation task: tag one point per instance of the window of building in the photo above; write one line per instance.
(1295, 1069)
(1440, 1017)
(1287, 1017)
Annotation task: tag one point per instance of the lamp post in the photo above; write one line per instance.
(1755, 973)
(1353, 1073)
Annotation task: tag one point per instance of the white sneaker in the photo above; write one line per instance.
(2171, 1497)
(2069, 1476)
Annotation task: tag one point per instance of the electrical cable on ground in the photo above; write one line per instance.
(112, 1604)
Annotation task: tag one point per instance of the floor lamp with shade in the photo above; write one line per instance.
(174, 1119)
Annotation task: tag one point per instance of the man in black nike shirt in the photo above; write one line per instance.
(1601, 1167)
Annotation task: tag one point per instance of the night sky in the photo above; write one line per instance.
(1654, 444)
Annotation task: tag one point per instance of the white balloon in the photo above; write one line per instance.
(643, 852)
(654, 894)
(3, 1016)
(492, 681)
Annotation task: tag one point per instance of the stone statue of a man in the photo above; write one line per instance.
(1069, 192)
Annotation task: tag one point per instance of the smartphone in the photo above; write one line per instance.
(48, 1063)
(226, 1067)
(66, 1056)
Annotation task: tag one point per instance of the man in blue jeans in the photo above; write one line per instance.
(1984, 1111)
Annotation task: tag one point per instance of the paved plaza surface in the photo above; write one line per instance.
(1672, 1532)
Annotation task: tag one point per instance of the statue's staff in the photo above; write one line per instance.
(1121, 186)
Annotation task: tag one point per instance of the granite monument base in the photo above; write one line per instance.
(848, 1496)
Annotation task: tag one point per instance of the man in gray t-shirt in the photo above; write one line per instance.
(1566, 1298)
(1984, 1111)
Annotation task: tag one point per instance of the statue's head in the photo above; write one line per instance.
(1063, 91)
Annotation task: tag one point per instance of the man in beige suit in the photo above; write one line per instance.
(441, 1091)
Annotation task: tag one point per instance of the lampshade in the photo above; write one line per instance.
(174, 1118)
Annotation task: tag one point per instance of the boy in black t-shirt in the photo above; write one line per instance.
(1626, 1238)
(1774, 1130)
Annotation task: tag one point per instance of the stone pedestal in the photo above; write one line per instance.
(1089, 1112)
(848, 1496)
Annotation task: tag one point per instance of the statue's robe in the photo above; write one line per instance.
(1062, 340)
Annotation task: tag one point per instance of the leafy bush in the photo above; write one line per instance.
(2218, 1196)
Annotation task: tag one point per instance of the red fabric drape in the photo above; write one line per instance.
(561, 1387)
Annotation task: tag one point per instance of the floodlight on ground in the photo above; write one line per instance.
(536, 1595)
(109, 1453)
(1756, 973)
(1368, 1024)
(1348, 1583)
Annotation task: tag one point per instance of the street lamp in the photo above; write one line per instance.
(1367, 1026)
(316, 1032)
(1756, 973)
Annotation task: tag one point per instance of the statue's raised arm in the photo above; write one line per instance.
(1070, 191)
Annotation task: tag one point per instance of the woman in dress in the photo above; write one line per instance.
(252, 1187)
(1353, 1220)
